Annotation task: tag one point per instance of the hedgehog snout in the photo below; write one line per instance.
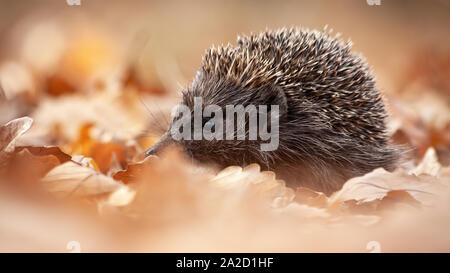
(160, 145)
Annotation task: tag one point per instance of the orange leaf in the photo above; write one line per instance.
(46, 151)
(132, 173)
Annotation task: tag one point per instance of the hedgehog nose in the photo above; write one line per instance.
(150, 151)
(160, 145)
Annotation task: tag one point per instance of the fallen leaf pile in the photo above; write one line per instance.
(72, 144)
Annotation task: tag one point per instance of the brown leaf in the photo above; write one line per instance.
(29, 164)
(397, 196)
(10, 132)
(25, 168)
(387, 203)
(73, 179)
(377, 184)
(45, 151)
(132, 173)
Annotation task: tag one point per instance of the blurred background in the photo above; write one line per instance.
(51, 48)
(99, 80)
(159, 35)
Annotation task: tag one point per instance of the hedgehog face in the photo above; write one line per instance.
(219, 123)
(232, 124)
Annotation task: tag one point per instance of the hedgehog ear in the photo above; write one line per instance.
(276, 96)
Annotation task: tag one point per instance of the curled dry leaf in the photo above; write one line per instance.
(379, 189)
(377, 184)
(429, 164)
(28, 164)
(262, 183)
(73, 179)
(313, 207)
(10, 132)
(133, 172)
(46, 151)
(24, 168)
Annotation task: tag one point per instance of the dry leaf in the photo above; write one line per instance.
(44, 151)
(378, 183)
(10, 132)
(73, 179)
(252, 179)
(429, 164)
(29, 164)
(133, 172)
(24, 169)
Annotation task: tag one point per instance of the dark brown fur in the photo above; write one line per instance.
(332, 126)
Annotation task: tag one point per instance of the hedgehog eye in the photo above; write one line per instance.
(210, 124)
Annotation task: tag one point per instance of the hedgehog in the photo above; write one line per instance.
(332, 118)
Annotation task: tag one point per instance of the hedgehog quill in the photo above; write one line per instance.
(331, 118)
